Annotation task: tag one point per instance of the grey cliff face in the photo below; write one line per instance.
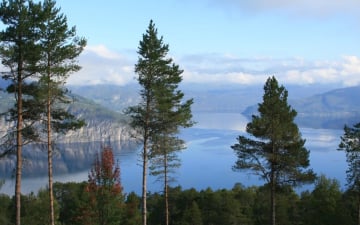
(74, 151)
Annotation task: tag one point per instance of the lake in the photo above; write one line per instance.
(208, 159)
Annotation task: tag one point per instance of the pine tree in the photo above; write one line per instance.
(20, 54)
(276, 152)
(60, 47)
(161, 111)
(171, 114)
(350, 143)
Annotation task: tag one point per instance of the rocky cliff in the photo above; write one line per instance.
(75, 150)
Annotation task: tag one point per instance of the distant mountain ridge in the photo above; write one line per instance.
(102, 105)
(233, 98)
(317, 106)
(332, 109)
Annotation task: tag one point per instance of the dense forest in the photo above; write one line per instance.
(326, 204)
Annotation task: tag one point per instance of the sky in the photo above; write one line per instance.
(222, 41)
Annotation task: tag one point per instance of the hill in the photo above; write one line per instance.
(332, 109)
(75, 150)
(233, 98)
(317, 106)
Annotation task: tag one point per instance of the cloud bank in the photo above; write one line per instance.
(103, 66)
(248, 71)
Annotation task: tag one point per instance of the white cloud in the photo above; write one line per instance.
(103, 51)
(100, 65)
(351, 66)
(221, 69)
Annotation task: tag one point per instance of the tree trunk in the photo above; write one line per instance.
(19, 127)
(145, 159)
(19, 149)
(273, 198)
(166, 190)
(50, 165)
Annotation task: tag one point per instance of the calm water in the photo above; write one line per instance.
(208, 159)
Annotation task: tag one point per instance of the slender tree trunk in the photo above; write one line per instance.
(19, 149)
(166, 190)
(145, 159)
(273, 197)
(50, 165)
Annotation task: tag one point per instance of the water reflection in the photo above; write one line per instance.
(208, 159)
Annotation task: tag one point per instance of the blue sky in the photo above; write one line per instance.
(223, 41)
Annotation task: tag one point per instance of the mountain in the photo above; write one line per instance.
(101, 122)
(113, 97)
(332, 109)
(75, 150)
(232, 98)
(317, 106)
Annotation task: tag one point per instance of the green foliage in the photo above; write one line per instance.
(325, 204)
(34, 208)
(132, 214)
(19, 48)
(60, 48)
(72, 200)
(192, 215)
(20, 54)
(350, 143)
(348, 209)
(105, 191)
(276, 150)
(322, 206)
(5, 212)
(161, 111)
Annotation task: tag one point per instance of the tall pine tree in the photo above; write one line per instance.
(275, 150)
(20, 54)
(161, 111)
(171, 114)
(59, 47)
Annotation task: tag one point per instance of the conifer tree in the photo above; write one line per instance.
(161, 111)
(350, 143)
(275, 150)
(20, 53)
(59, 47)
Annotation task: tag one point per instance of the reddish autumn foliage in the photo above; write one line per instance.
(105, 174)
(104, 190)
